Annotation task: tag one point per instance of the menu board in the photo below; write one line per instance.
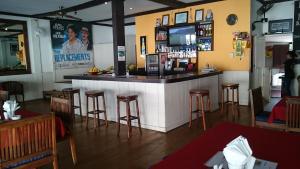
(296, 37)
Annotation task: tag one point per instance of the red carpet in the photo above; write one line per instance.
(280, 147)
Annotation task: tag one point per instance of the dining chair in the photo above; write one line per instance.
(28, 143)
(62, 108)
(293, 114)
(3, 98)
(298, 78)
(14, 89)
(258, 115)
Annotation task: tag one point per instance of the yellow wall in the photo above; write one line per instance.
(220, 57)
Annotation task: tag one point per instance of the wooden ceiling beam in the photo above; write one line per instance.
(275, 1)
(160, 10)
(170, 3)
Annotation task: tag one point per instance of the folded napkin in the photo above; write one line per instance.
(10, 106)
(238, 154)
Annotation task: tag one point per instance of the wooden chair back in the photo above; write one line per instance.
(13, 88)
(298, 78)
(293, 114)
(62, 108)
(28, 143)
(3, 98)
(256, 100)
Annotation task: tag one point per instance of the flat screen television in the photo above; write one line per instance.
(183, 35)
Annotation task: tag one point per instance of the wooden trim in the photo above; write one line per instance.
(171, 3)
(161, 10)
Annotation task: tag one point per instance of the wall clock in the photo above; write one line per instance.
(231, 19)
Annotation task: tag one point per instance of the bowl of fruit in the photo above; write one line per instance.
(93, 70)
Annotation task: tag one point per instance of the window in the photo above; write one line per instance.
(14, 49)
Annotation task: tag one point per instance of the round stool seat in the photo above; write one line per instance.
(71, 90)
(199, 92)
(230, 85)
(127, 97)
(94, 93)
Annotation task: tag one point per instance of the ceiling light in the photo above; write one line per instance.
(6, 29)
(105, 3)
(131, 8)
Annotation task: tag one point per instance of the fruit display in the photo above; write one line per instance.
(94, 70)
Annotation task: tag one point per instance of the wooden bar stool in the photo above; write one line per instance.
(71, 93)
(199, 94)
(128, 118)
(94, 95)
(234, 102)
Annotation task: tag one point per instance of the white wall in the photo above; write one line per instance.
(44, 75)
(103, 46)
(283, 10)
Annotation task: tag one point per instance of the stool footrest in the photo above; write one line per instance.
(200, 111)
(130, 118)
(97, 111)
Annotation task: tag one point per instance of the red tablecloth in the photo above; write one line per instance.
(60, 129)
(278, 111)
(276, 146)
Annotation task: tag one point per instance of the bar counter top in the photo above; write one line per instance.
(144, 79)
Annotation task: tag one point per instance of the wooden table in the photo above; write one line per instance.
(280, 147)
(60, 128)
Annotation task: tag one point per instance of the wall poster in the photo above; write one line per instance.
(72, 44)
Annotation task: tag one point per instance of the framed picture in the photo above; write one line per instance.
(165, 20)
(280, 26)
(199, 15)
(143, 45)
(181, 17)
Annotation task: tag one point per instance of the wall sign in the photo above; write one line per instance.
(121, 53)
(72, 44)
(280, 26)
(143, 45)
(296, 36)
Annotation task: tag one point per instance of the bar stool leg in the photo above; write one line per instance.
(238, 102)
(118, 111)
(98, 112)
(87, 112)
(233, 105)
(208, 103)
(128, 119)
(198, 107)
(203, 113)
(138, 115)
(227, 101)
(191, 109)
(223, 100)
(104, 108)
(80, 111)
(94, 108)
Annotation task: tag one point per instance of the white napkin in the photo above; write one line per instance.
(10, 106)
(238, 154)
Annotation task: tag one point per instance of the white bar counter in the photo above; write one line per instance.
(163, 100)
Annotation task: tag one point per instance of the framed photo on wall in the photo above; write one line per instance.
(165, 20)
(181, 17)
(199, 13)
(143, 45)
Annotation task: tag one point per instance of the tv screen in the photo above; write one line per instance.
(184, 35)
